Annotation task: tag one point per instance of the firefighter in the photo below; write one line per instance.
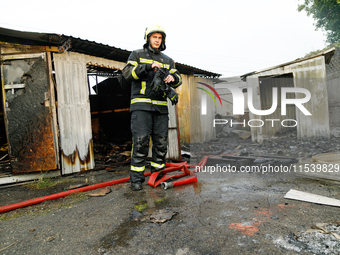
(153, 78)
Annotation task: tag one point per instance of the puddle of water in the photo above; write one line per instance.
(151, 203)
(120, 236)
(198, 187)
(147, 203)
(125, 231)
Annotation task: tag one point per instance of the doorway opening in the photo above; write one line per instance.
(267, 83)
(110, 115)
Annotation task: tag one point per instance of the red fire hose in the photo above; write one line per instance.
(171, 167)
(180, 166)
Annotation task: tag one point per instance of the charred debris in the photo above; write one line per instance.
(236, 149)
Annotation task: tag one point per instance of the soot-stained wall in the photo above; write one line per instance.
(28, 119)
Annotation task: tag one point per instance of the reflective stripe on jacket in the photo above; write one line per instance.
(138, 70)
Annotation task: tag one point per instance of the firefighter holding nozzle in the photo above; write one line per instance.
(154, 78)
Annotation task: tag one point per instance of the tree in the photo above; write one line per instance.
(326, 13)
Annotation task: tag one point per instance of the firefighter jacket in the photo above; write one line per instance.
(138, 70)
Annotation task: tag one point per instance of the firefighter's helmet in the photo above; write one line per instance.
(154, 28)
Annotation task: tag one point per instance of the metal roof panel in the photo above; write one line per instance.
(86, 47)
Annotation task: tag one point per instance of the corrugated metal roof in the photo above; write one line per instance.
(190, 70)
(327, 53)
(113, 53)
(29, 38)
(84, 46)
(96, 49)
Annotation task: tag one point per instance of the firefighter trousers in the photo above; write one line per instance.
(146, 125)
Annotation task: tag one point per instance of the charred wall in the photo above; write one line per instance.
(29, 123)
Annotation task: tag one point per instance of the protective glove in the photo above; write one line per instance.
(158, 79)
(172, 95)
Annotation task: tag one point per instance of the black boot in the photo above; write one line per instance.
(135, 186)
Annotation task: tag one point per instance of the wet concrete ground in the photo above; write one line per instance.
(223, 213)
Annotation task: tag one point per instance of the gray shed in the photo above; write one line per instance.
(307, 73)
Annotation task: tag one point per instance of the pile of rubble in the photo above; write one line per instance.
(322, 238)
(109, 153)
(285, 147)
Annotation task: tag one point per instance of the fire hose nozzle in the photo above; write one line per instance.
(167, 185)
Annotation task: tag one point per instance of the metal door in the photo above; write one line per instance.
(74, 115)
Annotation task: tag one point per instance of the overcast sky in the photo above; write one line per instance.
(227, 37)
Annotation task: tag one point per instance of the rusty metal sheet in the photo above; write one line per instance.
(193, 126)
(174, 149)
(74, 115)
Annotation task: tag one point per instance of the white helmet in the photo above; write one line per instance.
(155, 28)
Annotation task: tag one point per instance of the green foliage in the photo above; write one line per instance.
(312, 53)
(326, 13)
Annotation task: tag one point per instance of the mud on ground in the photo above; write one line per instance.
(222, 213)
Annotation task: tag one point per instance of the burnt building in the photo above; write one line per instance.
(61, 95)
